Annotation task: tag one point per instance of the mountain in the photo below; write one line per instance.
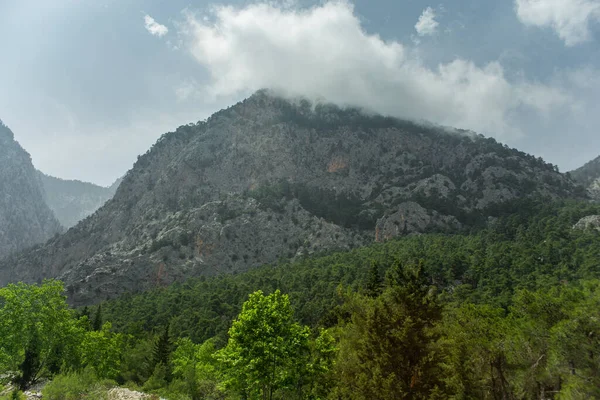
(73, 200)
(270, 179)
(25, 219)
(589, 176)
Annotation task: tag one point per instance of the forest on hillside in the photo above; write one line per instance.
(511, 311)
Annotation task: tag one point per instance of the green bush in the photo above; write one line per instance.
(14, 395)
(74, 386)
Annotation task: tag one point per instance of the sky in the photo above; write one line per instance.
(88, 85)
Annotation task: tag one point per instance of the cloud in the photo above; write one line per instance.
(570, 19)
(427, 25)
(154, 27)
(323, 52)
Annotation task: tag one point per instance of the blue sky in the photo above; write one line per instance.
(86, 85)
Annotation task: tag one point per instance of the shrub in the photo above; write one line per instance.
(74, 386)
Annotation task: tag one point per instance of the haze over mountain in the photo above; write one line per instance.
(72, 200)
(25, 218)
(271, 178)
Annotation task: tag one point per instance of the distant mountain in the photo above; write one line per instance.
(25, 219)
(269, 179)
(589, 176)
(72, 200)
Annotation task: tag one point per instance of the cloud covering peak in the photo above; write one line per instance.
(324, 51)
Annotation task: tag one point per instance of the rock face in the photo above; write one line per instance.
(25, 219)
(589, 176)
(587, 223)
(409, 218)
(269, 179)
(71, 200)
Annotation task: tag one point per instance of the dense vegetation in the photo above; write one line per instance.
(509, 312)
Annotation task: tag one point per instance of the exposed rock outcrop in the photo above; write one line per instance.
(589, 176)
(588, 222)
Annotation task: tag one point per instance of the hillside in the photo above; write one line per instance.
(269, 179)
(589, 176)
(73, 200)
(25, 219)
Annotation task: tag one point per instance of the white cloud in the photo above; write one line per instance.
(427, 25)
(570, 19)
(324, 52)
(154, 27)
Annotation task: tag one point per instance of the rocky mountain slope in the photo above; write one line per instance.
(25, 219)
(72, 200)
(270, 178)
(589, 176)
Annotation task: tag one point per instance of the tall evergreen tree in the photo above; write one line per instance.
(374, 284)
(162, 351)
(97, 324)
(31, 364)
(389, 350)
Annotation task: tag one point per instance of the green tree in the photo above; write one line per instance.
(35, 321)
(162, 348)
(389, 349)
(374, 284)
(478, 339)
(97, 323)
(102, 350)
(266, 348)
(197, 367)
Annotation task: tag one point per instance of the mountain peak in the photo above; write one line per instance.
(272, 178)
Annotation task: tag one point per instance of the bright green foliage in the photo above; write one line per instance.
(196, 366)
(37, 329)
(158, 379)
(318, 375)
(389, 350)
(102, 351)
(76, 386)
(266, 348)
(14, 395)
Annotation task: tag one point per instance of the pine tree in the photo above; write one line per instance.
(162, 351)
(31, 365)
(97, 324)
(374, 284)
(389, 350)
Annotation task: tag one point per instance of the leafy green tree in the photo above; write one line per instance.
(35, 321)
(266, 347)
(197, 367)
(319, 375)
(102, 350)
